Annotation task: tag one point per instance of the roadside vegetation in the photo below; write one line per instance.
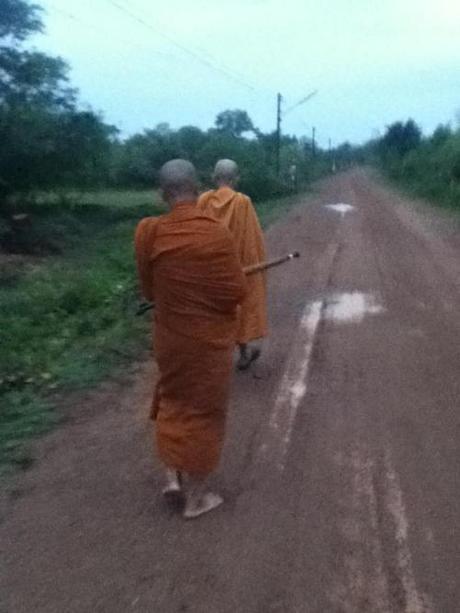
(427, 166)
(430, 168)
(71, 193)
(68, 320)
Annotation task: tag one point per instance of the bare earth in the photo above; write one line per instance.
(341, 469)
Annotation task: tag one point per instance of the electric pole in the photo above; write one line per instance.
(279, 116)
(279, 100)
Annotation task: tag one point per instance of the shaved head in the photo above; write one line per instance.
(226, 172)
(178, 181)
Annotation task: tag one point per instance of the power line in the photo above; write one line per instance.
(183, 48)
(223, 70)
(87, 24)
(62, 12)
(76, 19)
(199, 51)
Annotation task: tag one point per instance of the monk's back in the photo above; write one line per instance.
(227, 206)
(193, 274)
(236, 212)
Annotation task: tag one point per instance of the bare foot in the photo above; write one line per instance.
(172, 492)
(196, 506)
(248, 355)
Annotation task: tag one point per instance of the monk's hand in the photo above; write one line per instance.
(144, 307)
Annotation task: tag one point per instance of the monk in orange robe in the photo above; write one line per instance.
(237, 213)
(189, 268)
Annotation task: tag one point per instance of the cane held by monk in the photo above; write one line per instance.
(249, 270)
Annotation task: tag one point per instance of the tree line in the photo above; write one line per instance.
(428, 165)
(47, 141)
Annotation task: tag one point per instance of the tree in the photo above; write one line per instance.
(143, 155)
(44, 139)
(19, 19)
(28, 77)
(400, 138)
(441, 135)
(191, 140)
(235, 123)
(82, 152)
(33, 78)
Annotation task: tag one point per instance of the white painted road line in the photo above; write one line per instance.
(342, 308)
(415, 601)
(340, 208)
(352, 307)
(294, 382)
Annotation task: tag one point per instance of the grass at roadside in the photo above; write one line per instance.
(109, 198)
(445, 196)
(444, 201)
(68, 321)
(271, 211)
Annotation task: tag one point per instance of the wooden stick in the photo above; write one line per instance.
(249, 270)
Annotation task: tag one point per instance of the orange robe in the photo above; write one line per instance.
(237, 213)
(188, 266)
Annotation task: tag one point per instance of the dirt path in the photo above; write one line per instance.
(342, 459)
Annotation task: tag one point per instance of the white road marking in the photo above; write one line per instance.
(415, 602)
(361, 583)
(345, 308)
(352, 307)
(341, 208)
(294, 382)
(363, 575)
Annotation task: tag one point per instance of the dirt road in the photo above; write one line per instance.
(341, 469)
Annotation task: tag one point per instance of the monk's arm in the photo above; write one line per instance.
(255, 233)
(237, 285)
(142, 240)
(240, 280)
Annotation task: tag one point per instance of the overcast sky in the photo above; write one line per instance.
(372, 61)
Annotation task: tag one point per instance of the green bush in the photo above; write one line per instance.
(429, 167)
(68, 320)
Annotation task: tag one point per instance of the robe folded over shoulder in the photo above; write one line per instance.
(237, 213)
(188, 266)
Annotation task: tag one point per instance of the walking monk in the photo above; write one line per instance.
(188, 266)
(237, 213)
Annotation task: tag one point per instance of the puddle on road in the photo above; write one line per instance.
(340, 207)
(352, 307)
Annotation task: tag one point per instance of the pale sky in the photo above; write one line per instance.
(372, 62)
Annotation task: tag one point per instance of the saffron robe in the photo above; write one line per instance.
(237, 213)
(188, 266)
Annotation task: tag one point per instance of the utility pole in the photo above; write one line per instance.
(279, 116)
(279, 100)
(313, 142)
(331, 156)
